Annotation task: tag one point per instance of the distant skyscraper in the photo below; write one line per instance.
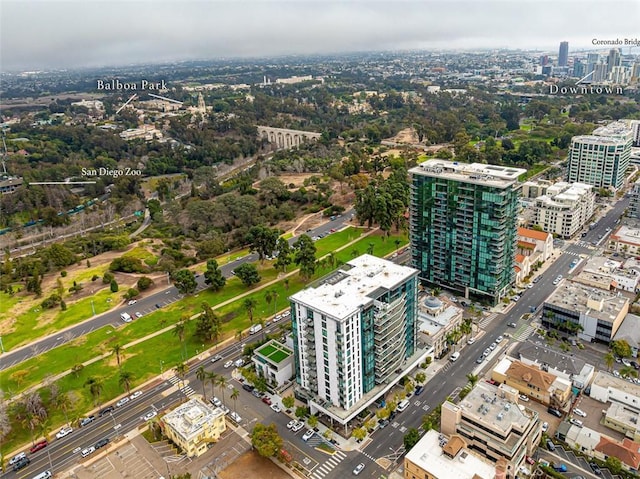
(463, 226)
(613, 60)
(563, 54)
(544, 59)
(579, 69)
(592, 60)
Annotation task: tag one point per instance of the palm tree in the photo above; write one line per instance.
(628, 371)
(239, 334)
(234, 396)
(222, 383)
(370, 248)
(250, 304)
(63, 402)
(117, 350)
(397, 242)
(473, 379)
(179, 331)
(212, 378)
(125, 380)
(609, 359)
(95, 388)
(354, 253)
(286, 284)
(272, 295)
(332, 259)
(202, 374)
(181, 370)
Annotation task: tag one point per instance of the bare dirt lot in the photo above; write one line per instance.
(252, 466)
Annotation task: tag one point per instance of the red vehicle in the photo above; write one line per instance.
(266, 400)
(529, 460)
(39, 445)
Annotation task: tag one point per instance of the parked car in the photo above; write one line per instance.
(471, 340)
(575, 422)
(217, 357)
(275, 408)
(106, 410)
(19, 464)
(17, 457)
(239, 363)
(358, 469)
(235, 417)
(122, 401)
(39, 445)
(65, 431)
(215, 401)
(499, 339)
(135, 395)
(228, 364)
(523, 398)
(291, 423)
(88, 450)
(308, 435)
(247, 387)
(102, 442)
(266, 400)
(256, 393)
(384, 423)
(550, 445)
(554, 411)
(480, 359)
(596, 470)
(86, 420)
(138, 314)
(297, 426)
(529, 460)
(132, 302)
(419, 390)
(158, 306)
(149, 416)
(579, 412)
(545, 426)
(560, 468)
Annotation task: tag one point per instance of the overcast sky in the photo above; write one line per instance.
(61, 34)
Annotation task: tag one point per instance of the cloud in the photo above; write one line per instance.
(57, 34)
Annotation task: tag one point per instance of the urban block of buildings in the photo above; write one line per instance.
(492, 423)
(602, 158)
(590, 313)
(564, 209)
(608, 274)
(463, 226)
(355, 335)
(436, 320)
(436, 457)
(193, 426)
(626, 240)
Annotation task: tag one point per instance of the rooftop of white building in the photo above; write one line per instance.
(614, 129)
(356, 284)
(609, 381)
(429, 455)
(599, 140)
(477, 173)
(626, 234)
(593, 302)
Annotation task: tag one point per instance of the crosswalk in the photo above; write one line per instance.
(573, 253)
(186, 389)
(523, 335)
(329, 465)
(485, 321)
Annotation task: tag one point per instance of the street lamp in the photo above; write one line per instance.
(161, 366)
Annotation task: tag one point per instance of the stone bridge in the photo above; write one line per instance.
(284, 138)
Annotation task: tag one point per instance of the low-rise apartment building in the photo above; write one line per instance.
(565, 208)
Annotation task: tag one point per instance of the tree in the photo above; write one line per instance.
(125, 379)
(114, 286)
(181, 370)
(613, 464)
(288, 401)
(312, 421)
(201, 374)
(235, 394)
(411, 438)
(185, 281)
(360, 433)
(305, 256)
(266, 440)
(272, 295)
(116, 350)
(5, 423)
(208, 324)
(609, 359)
(262, 240)
(213, 276)
(95, 388)
(620, 348)
(628, 372)
(301, 412)
(248, 274)
(222, 384)
(144, 283)
(284, 255)
(473, 379)
(179, 331)
(250, 304)
(421, 378)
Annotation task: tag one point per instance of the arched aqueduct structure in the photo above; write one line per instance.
(284, 138)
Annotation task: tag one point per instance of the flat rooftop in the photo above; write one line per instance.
(476, 173)
(356, 284)
(188, 418)
(543, 355)
(615, 129)
(594, 302)
(599, 140)
(428, 454)
(606, 380)
(626, 234)
(623, 414)
(274, 352)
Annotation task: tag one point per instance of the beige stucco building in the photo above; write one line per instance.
(193, 426)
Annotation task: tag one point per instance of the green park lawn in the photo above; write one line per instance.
(143, 255)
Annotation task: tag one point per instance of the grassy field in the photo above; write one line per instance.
(142, 360)
(143, 255)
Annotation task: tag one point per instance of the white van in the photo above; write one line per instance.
(404, 404)
(454, 357)
(43, 475)
(255, 328)
(125, 317)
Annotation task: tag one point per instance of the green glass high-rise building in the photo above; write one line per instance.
(463, 226)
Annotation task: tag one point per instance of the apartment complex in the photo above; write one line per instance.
(494, 424)
(435, 457)
(565, 208)
(634, 203)
(193, 426)
(355, 334)
(463, 226)
(625, 240)
(593, 314)
(601, 159)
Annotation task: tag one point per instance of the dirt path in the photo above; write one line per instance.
(252, 466)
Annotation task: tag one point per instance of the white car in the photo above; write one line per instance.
(530, 285)
(291, 423)
(358, 469)
(576, 422)
(122, 402)
(87, 451)
(626, 362)
(545, 426)
(65, 431)
(493, 346)
(149, 416)
(499, 339)
(286, 314)
(17, 458)
(132, 302)
(308, 435)
(579, 412)
(277, 318)
(215, 401)
(471, 340)
(239, 363)
(225, 409)
(523, 398)
(228, 364)
(138, 314)
(135, 395)
(275, 407)
(516, 298)
(297, 426)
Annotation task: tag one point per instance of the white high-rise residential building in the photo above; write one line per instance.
(564, 209)
(601, 159)
(355, 335)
